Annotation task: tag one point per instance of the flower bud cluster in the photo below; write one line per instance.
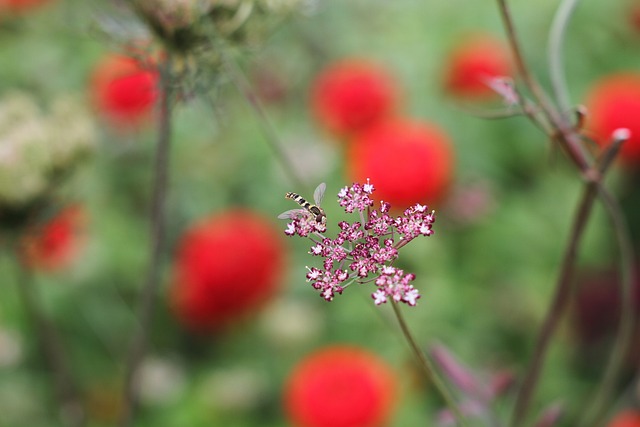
(193, 24)
(364, 251)
(38, 147)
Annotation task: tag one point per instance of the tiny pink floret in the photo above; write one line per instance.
(363, 251)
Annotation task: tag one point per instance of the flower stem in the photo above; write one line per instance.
(556, 41)
(596, 408)
(270, 134)
(557, 307)
(428, 367)
(563, 132)
(147, 303)
(65, 388)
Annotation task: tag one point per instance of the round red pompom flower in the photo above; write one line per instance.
(628, 418)
(124, 91)
(472, 65)
(352, 94)
(55, 245)
(613, 103)
(407, 161)
(19, 6)
(340, 386)
(226, 266)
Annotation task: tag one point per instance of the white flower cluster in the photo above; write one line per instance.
(37, 146)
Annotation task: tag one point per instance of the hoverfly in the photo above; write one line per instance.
(315, 210)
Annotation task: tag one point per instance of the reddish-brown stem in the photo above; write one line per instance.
(564, 133)
(557, 307)
(597, 407)
(146, 308)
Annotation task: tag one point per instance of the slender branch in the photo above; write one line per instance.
(271, 136)
(564, 133)
(523, 69)
(428, 367)
(146, 308)
(494, 114)
(563, 284)
(566, 136)
(66, 391)
(556, 41)
(596, 408)
(557, 307)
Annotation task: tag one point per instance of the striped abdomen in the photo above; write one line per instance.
(298, 199)
(317, 211)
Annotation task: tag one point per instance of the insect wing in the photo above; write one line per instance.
(318, 195)
(292, 214)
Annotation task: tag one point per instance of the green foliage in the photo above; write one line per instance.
(485, 283)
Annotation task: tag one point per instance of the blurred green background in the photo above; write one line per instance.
(485, 278)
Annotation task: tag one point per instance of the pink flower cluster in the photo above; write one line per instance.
(364, 251)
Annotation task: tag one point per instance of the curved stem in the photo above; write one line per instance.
(428, 367)
(146, 308)
(564, 133)
(563, 285)
(557, 307)
(556, 41)
(596, 408)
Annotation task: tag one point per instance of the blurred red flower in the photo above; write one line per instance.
(628, 418)
(226, 267)
(340, 386)
(351, 95)
(614, 102)
(17, 6)
(124, 92)
(473, 63)
(408, 162)
(55, 245)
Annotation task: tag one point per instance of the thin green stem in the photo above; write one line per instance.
(66, 392)
(556, 54)
(146, 308)
(523, 69)
(271, 136)
(428, 367)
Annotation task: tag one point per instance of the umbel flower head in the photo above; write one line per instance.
(190, 24)
(196, 30)
(190, 37)
(363, 251)
(340, 386)
(37, 148)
